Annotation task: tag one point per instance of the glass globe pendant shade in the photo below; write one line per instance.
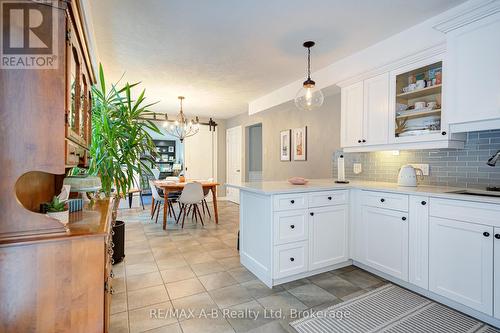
(309, 97)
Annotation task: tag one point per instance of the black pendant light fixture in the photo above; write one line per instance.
(309, 97)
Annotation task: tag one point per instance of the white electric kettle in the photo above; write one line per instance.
(408, 175)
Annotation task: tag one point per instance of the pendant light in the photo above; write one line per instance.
(182, 128)
(309, 97)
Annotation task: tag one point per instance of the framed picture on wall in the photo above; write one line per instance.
(285, 143)
(299, 143)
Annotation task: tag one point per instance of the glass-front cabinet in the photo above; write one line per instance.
(416, 102)
(78, 103)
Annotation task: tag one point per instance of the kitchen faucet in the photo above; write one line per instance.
(492, 161)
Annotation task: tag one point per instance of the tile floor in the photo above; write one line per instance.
(191, 281)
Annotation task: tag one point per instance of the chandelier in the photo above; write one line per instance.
(309, 97)
(182, 128)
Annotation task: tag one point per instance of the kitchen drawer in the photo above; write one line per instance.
(386, 200)
(290, 259)
(290, 201)
(475, 212)
(290, 226)
(328, 198)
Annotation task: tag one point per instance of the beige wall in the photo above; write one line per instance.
(323, 138)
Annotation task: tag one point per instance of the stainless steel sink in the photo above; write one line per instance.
(493, 194)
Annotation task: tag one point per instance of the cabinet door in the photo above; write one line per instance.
(328, 236)
(497, 273)
(461, 262)
(386, 241)
(474, 71)
(352, 115)
(418, 238)
(376, 110)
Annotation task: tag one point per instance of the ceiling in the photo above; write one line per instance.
(221, 54)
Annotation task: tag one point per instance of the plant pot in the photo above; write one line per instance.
(63, 217)
(118, 241)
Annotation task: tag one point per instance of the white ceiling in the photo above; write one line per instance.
(221, 54)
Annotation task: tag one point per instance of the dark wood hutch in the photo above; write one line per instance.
(51, 280)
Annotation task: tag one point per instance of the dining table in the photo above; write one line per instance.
(169, 186)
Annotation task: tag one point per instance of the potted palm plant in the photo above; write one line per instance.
(119, 138)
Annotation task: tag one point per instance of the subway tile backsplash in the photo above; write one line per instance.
(449, 167)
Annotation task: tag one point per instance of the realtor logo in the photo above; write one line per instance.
(28, 34)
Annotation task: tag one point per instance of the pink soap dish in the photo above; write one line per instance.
(298, 181)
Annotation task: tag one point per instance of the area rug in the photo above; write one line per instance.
(389, 309)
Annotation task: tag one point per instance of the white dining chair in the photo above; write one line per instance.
(191, 196)
(159, 200)
(156, 173)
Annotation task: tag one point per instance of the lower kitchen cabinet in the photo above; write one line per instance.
(328, 233)
(496, 255)
(418, 239)
(290, 259)
(386, 240)
(461, 262)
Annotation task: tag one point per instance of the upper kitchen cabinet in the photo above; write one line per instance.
(473, 92)
(400, 108)
(416, 102)
(365, 111)
(352, 115)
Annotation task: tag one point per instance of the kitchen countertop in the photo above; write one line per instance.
(283, 187)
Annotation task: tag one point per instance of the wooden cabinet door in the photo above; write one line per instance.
(418, 239)
(461, 262)
(386, 241)
(496, 265)
(328, 233)
(352, 115)
(474, 74)
(376, 110)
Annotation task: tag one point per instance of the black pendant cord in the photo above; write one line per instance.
(308, 63)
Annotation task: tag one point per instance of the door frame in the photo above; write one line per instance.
(236, 129)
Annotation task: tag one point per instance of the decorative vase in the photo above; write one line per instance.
(62, 217)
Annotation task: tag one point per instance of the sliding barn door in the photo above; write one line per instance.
(200, 154)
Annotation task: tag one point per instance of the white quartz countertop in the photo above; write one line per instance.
(283, 187)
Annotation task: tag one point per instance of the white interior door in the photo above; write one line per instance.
(200, 154)
(233, 162)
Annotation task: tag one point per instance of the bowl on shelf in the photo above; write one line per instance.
(298, 181)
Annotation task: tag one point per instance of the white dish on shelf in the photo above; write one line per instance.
(410, 112)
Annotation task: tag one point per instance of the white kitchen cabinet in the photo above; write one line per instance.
(364, 112)
(376, 110)
(290, 259)
(386, 240)
(352, 115)
(418, 239)
(496, 255)
(290, 226)
(328, 234)
(461, 262)
(473, 94)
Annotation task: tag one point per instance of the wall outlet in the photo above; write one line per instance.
(356, 168)
(423, 167)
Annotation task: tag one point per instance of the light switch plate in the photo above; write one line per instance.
(423, 167)
(356, 168)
